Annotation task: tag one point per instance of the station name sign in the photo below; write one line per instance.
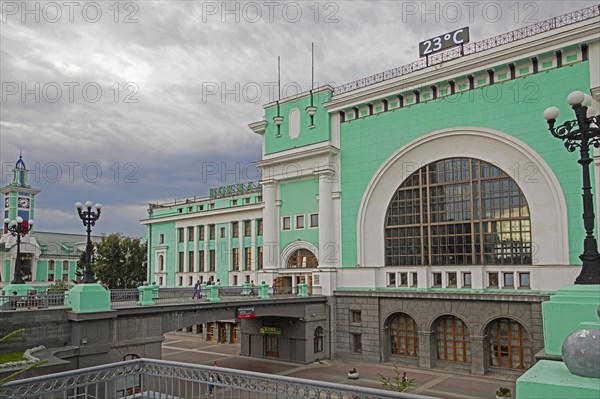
(246, 313)
(443, 42)
(235, 189)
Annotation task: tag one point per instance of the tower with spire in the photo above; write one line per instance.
(19, 197)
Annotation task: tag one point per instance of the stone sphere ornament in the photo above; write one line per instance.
(581, 353)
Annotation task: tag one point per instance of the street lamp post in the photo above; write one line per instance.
(579, 133)
(18, 229)
(89, 218)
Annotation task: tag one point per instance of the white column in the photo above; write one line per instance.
(253, 244)
(328, 249)
(196, 256)
(241, 250)
(270, 226)
(206, 255)
(185, 251)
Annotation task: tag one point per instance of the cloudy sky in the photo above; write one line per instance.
(132, 102)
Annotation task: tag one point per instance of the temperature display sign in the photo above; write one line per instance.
(443, 42)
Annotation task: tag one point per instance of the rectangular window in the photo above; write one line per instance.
(300, 221)
(201, 261)
(403, 279)
(451, 279)
(493, 280)
(211, 232)
(161, 239)
(355, 317)
(190, 280)
(437, 279)
(247, 228)
(180, 281)
(222, 235)
(286, 223)
(65, 265)
(180, 235)
(391, 279)
(235, 280)
(191, 233)
(235, 232)
(415, 279)
(212, 266)
(467, 280)
(356, 343)
(180, 265)
(212, 206)
(236, 259)
(248, 259)
(509, 280)
(259, 260)
(259, 227)
(247, 200)
(233, 202)
(314, 220)
(201, 233)
(160, 281)
(524, 281)
(259, 198)
(51, 277)
(190, 261)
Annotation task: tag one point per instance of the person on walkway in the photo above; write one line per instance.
(211, 387)
(404, 377)
(252, 291)
(197, 290)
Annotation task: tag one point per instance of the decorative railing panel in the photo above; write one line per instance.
(146, 378)
(472, 48)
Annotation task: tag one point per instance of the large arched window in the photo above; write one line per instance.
(403, 336)
(509, 344)
(302, 258)
(458, 211)
(452, 336)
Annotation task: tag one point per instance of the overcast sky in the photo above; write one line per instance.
(127, 103)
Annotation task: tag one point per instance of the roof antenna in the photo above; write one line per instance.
(278, 119)
(311, 110)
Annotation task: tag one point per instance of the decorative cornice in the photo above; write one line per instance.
(295, 154)
(258, 127)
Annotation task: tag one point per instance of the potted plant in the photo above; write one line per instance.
(353, 374)
(503, 392)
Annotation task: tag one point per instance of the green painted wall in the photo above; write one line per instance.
(169, 231)
(42, 271)
(320, 133)
(299, 197)
(514, 107)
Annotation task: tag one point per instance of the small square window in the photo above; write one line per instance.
(356, 343)
(509, 280)
(493, 280)
(259, 198)
(247, 200)
(451, 279)
(467, 280)
(233, 202)
(403, 279)
(314, 220)
(391, 279)
(212, 206)
(355, 317)
(437, 279)
(286, 223)
(524, 281)
(300, 221)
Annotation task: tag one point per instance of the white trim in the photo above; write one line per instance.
(308, 226)
(296, 221)
(291, 248)
(544, 198)
(282, 223)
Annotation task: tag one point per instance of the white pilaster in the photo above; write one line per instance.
(196, 256)
(206, 254)
(270, 226)
(253, 244)
(242, 251)
(328, 249)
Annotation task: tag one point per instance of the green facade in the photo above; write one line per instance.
(299, 198)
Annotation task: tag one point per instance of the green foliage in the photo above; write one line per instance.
(12, 337)
(59, 286)
(120, 261)
(503, 392)
(398, 383)
(11, 357)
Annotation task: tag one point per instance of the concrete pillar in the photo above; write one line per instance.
(253, 244)
(185, 253)
(270, 226)
(195, 266)
(479, 354)
(328, 249)
(206, 255)
(426, 349)
(242, 251)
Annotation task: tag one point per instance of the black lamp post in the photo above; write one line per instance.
(89, 218)
(18, 229)
(579, 133)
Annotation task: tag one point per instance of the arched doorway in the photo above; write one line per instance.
(403, 336)
(509, 344)
(452, 340)
(302, 259)
(458, 211)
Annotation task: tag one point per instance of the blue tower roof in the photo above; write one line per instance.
(20, 163)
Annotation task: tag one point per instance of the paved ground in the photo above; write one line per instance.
(436, 383)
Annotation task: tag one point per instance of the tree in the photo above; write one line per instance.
(399, 383)
(120, 261)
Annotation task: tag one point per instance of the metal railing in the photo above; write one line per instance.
(148, 378)
(124, 297)
(472, 48)
(36, 301)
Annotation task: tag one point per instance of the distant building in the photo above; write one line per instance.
(430, 202)
(46, 257)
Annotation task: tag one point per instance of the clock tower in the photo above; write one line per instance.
(19, 197)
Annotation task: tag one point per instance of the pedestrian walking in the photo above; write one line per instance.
(197, 290)
(211, 387)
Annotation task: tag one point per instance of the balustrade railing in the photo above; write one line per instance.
(34, 301)
(159, 379)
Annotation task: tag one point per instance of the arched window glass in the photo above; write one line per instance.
(318, 339)
(403, 336)
(458, 211)
(161, 263)
(302, 258)
(509, 344)
(452, 340)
